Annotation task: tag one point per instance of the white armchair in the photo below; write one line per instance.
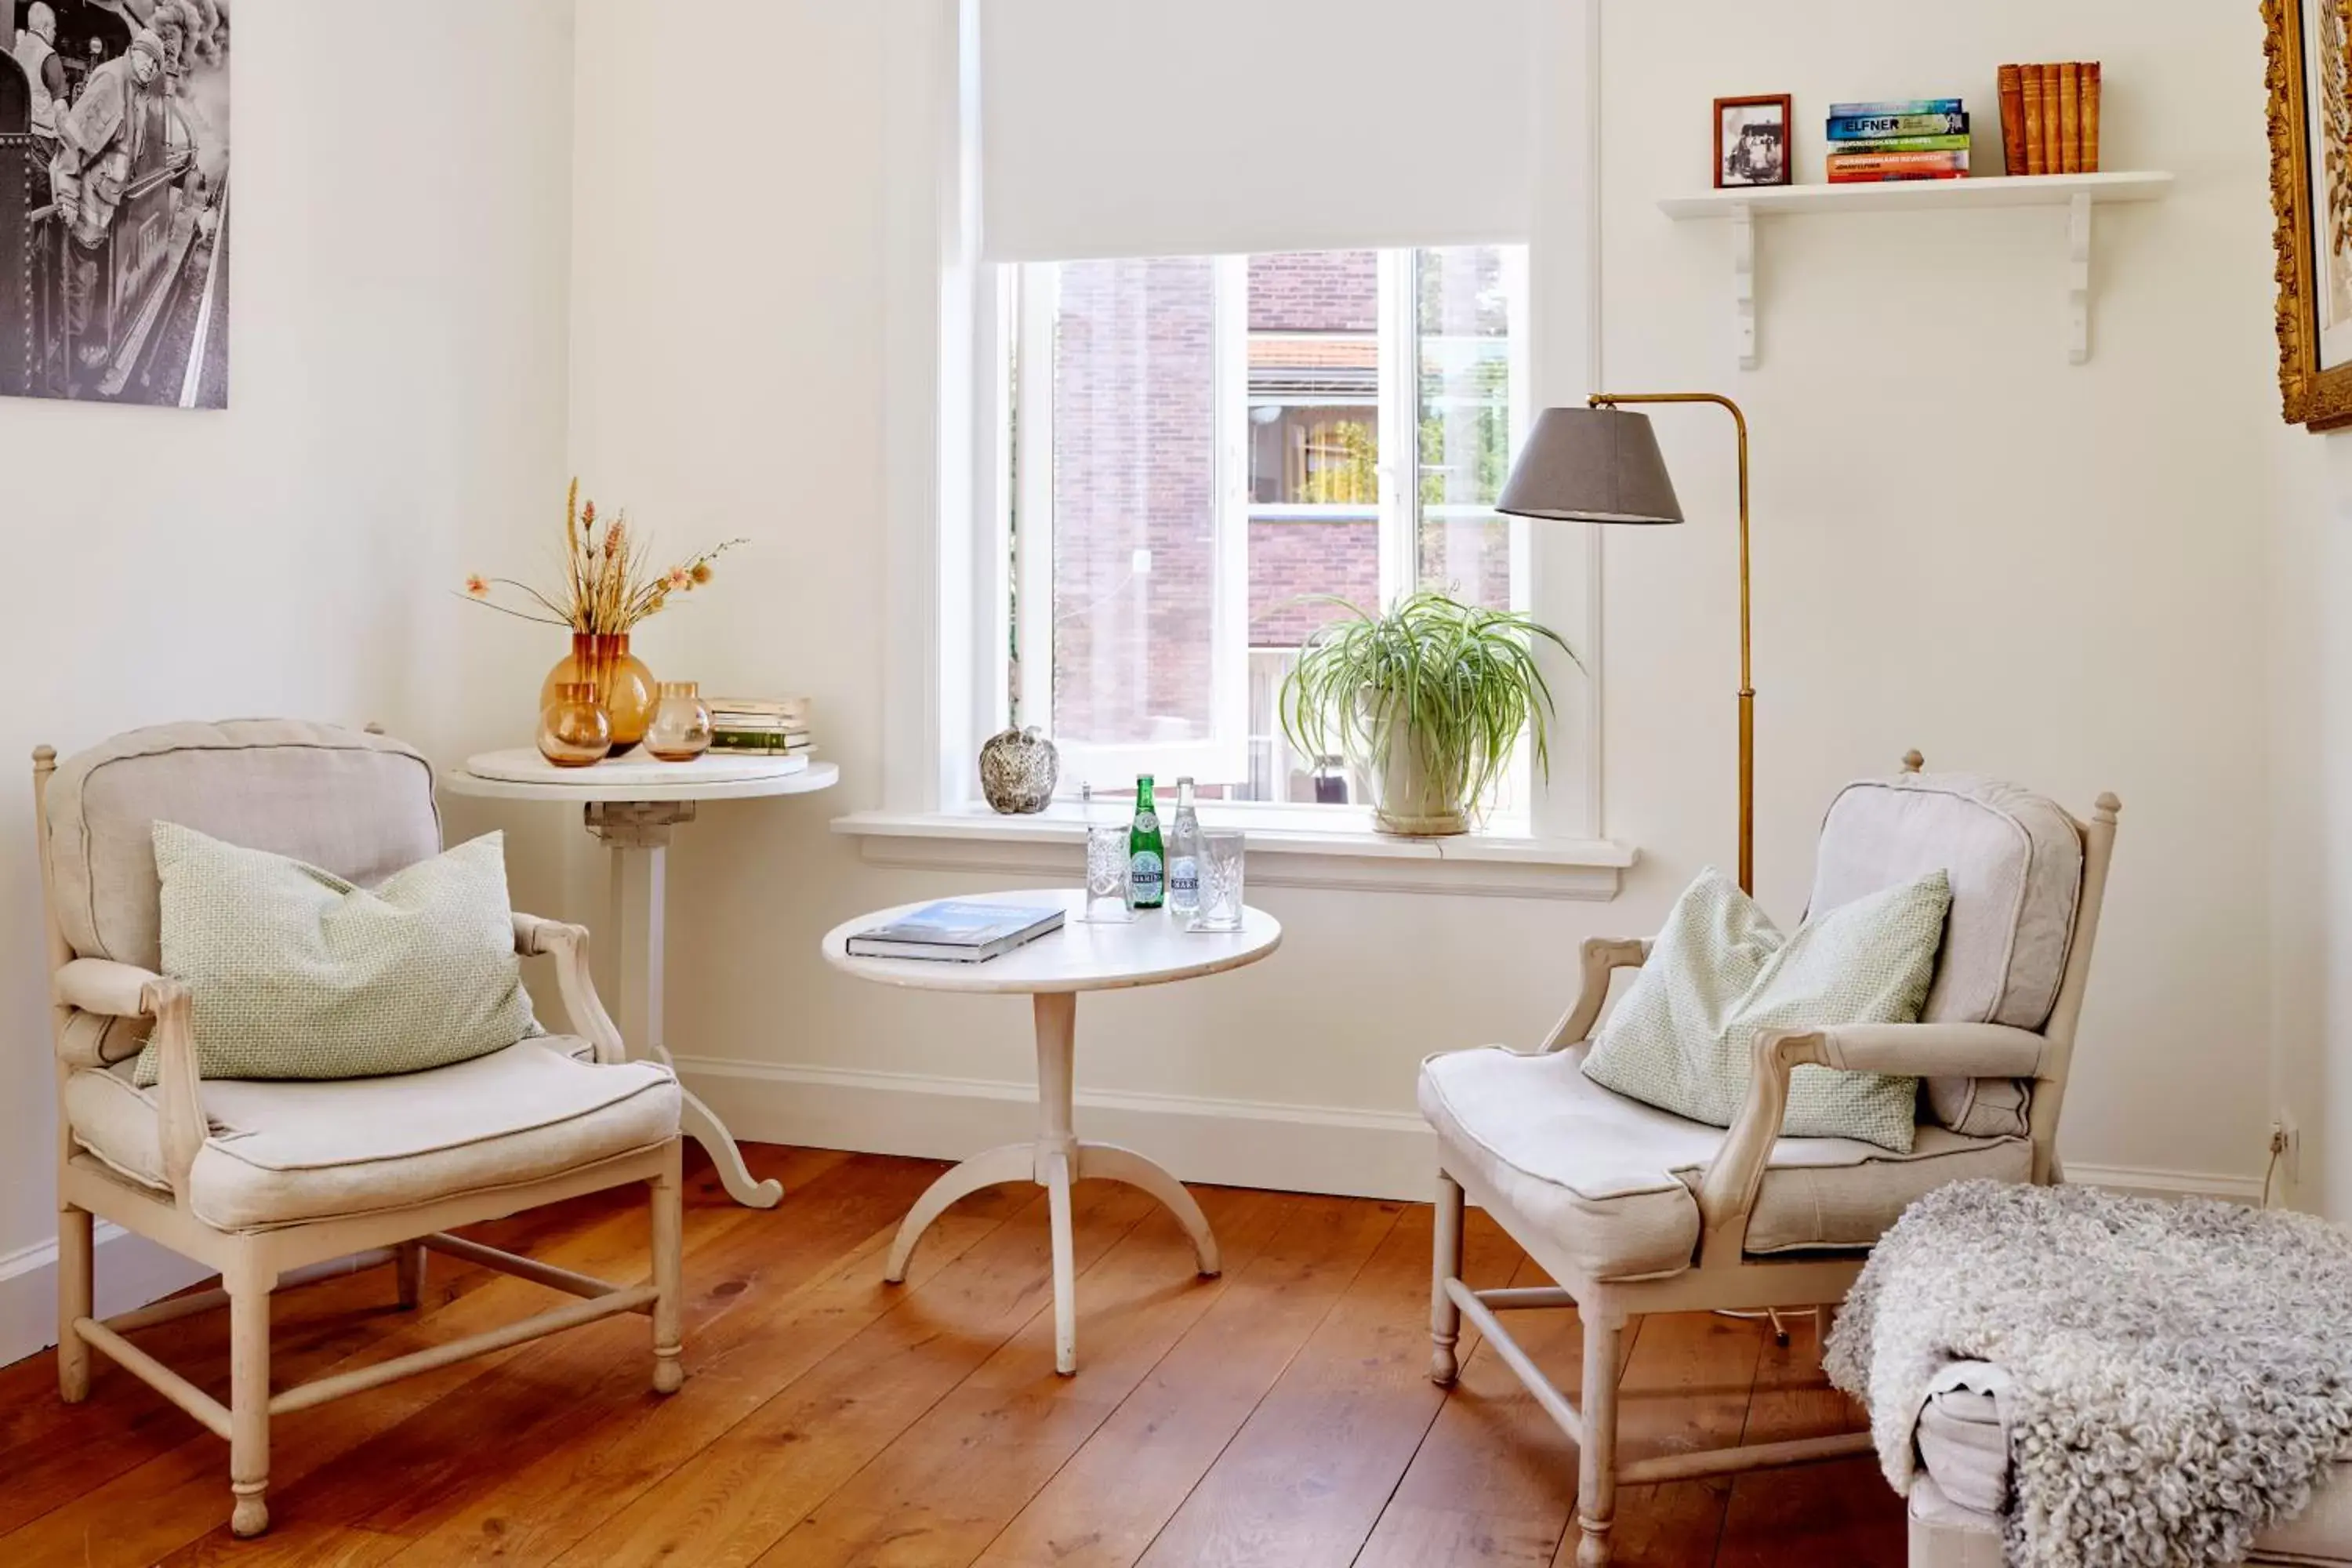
(276, 1183)
(1632, 1210)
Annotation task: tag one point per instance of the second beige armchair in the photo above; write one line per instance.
(1632, 1210)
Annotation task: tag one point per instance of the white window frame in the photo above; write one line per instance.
(943, 636)
(1029, 296)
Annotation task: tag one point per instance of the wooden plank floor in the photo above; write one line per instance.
(1277, 1416)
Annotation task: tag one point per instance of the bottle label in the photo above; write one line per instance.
(1146, 822)
(1183, 878)
(1143, 873)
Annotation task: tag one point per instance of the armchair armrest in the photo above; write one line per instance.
(1603, 956)
(567, 945)
(1728, 1189)
(127, 991)
(102, 985)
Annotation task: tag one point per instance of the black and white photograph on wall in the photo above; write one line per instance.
(114, 201)
(1751, 140)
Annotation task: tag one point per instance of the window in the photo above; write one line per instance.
(1203, 446)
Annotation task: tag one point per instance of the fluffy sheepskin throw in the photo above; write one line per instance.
(2179, 1375)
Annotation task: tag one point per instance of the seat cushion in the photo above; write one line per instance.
(357, 804)
(1611, 1183)
(1720, 974)
(296, 974)
(284, 1153)
(2015, 863)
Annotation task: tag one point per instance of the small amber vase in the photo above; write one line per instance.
(573, 729)
(681, 730)
(625, 687)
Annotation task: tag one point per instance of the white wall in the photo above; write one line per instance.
(1964, 544)
(2310, 688)
(398, 250)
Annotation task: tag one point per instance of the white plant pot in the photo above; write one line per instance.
(1409, 798)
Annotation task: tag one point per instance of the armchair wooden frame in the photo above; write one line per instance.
(252, 1264)
(1724, 1277)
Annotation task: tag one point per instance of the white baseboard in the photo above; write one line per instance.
(2167, 1184)
(1232, 1143)
(132, 1271)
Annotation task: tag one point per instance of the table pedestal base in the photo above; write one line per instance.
(637, 832)
(1054, 1162)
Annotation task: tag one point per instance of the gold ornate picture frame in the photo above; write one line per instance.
(2307, 55)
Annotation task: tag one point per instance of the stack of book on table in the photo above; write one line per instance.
(958, 930)
(760, 727)
(1911, 139)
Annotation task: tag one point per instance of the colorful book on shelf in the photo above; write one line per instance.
(2037, 155)
(794, 710)
(2070, 118)
(1958, 143)
(2012, 119)
(1862, 127)
(1848, 168)
(958, 930)
(750, 741)
(2053, 122)
(2090, 116)
(1896, 106)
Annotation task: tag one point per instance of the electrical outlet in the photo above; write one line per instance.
(2286, 1143)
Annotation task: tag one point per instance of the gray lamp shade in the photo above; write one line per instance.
(1590, 465)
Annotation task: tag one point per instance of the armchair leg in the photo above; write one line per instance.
(1444, 1317)
(408, 1271)
(74, 1290)
(1596, 1480)
(668, 1249)
(248, 1404)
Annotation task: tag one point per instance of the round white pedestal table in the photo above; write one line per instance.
(1152, 949)
(630, 805)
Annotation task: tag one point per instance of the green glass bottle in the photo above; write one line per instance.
(1146, 857)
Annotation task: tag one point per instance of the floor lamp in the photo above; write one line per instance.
(1599, 464)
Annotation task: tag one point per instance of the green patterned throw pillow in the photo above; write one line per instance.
(297, 974)
(1684, 1038)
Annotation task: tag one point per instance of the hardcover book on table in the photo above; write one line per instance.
(958, 930)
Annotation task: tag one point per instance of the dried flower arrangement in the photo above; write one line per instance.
(609, 583)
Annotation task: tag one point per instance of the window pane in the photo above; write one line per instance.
(1315, 488)
(1135, 481)
(1462, 322)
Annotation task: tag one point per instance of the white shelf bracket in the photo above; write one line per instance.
(2078, 279)
(1743, 283)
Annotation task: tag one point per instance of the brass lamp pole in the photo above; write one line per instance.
(1596, 464)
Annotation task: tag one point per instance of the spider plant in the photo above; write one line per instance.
(1427, 701)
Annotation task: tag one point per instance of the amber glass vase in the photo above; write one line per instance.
(625, 687)
(573, 730)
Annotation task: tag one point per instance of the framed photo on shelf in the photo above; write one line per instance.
(2310, 77)
(1751, 140)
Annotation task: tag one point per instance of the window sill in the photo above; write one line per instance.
(1337, 849)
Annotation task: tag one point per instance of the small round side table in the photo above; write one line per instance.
(632, 804)
(1152, 949)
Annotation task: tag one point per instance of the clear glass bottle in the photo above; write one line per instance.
(1146, 854)
(1184, 853)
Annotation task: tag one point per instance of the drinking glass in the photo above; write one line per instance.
(1221, 884)
(1107, 877)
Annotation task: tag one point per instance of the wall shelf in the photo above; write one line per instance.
(2077, 193)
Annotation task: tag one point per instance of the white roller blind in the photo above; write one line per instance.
(1191, 127)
